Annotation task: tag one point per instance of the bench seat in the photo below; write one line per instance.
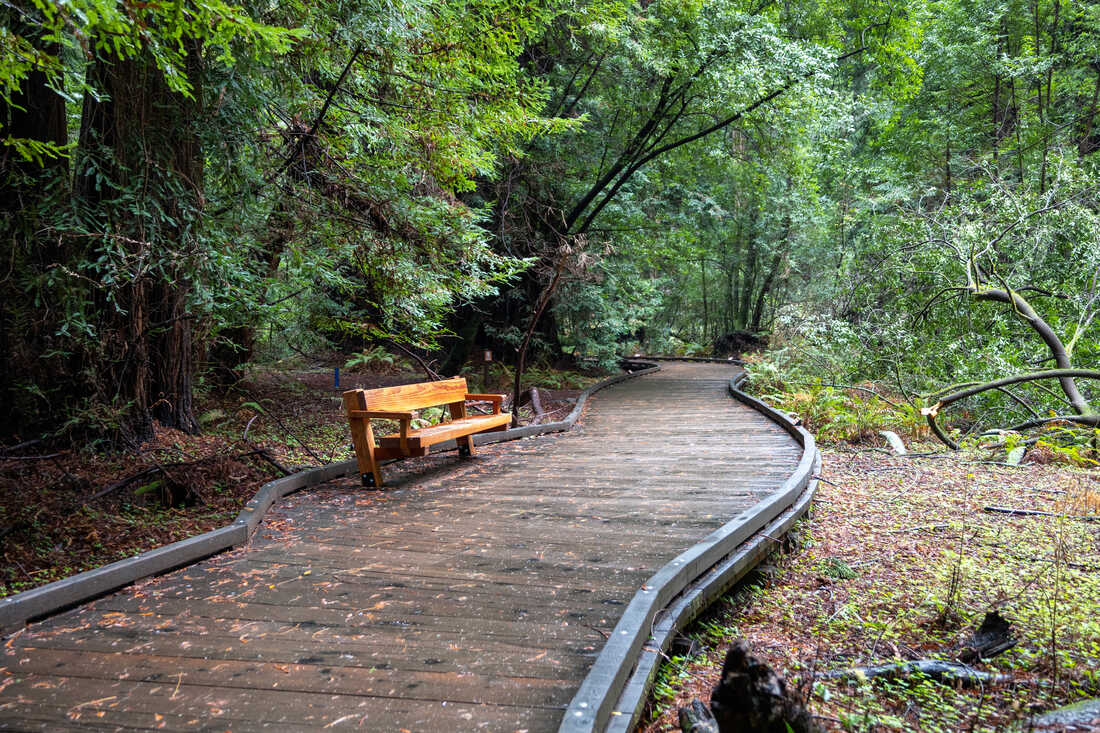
(422, 438)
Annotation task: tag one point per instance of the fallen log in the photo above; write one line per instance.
(1038, 513)
(953, 673)
(1065, 376)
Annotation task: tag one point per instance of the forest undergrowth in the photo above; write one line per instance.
(900, 559)
(64, 511)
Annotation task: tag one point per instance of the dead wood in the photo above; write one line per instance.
(263, 454)
(31, 458)
(952, 673)
(162, 468)
(1022, 309)
(288, 431)
(1037, 513)
(125, 482)
(751, 696)
(919, 528)
(697, 718)
(993, 637)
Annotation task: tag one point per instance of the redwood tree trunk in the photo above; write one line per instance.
(36, 112)
(143, 139)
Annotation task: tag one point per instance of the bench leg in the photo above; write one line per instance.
(362, 437)
(368, 464)
(466, 442)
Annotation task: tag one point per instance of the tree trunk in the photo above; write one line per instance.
(778, 258)
(1086, 145)
(36, 112)
(1058, 351)
(706, 310)
(143, 142)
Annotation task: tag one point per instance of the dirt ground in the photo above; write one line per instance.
(901, 560)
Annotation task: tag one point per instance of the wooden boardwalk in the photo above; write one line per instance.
(469, 595)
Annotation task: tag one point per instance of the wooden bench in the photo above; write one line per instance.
(398, 403)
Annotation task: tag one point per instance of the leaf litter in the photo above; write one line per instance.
(899, 562)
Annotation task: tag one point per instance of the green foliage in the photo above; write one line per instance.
(375, 359)
(848, 178)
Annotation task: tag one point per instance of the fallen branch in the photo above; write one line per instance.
(160, 468)
(935, 669)
(1086, 420)
(919, 528)
(1037, 513)
(21, 446)
(282, 425)
(262, 453)
(1061, 374)
(124, 482)
(432, 374)
(31, 458)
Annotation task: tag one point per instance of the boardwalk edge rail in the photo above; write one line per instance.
(613, 694)
(21, 608)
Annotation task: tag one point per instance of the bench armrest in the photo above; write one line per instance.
(496, 399)
(404, 417)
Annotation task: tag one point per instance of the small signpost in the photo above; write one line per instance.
(487, 358)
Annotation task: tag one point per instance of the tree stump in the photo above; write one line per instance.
(749, 697)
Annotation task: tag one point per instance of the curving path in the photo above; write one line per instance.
(470, 595)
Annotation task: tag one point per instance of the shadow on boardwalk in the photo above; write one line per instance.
(469, 595)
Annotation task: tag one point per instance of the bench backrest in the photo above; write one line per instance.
(414, 396)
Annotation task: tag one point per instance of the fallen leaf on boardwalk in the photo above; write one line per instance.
(93, 702)
(339, 720)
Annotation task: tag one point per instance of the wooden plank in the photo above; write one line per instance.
(432, 434)
(309, 677)
(315, 617)
(439, 657)
(82, 699)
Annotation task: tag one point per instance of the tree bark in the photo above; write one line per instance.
(141, 144)
(769, 279)
(1058, 350)
(933, 411)
(36, 112)
(521, 360)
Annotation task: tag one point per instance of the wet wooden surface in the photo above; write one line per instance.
(468, 595)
